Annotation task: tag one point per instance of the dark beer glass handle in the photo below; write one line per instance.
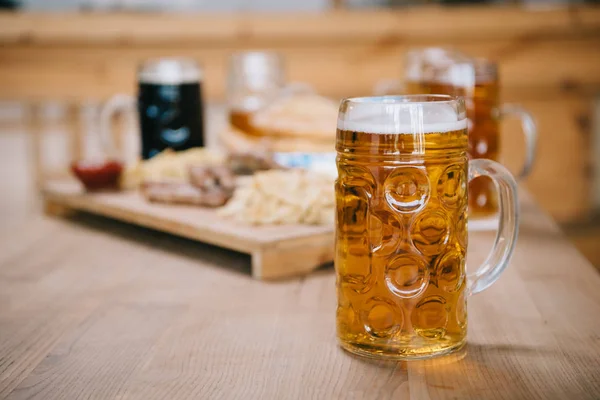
(529, 130)
(117, 103)
(508, 225)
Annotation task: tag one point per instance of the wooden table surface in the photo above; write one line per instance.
(92, 308)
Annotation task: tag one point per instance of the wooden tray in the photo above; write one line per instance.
(276, 251)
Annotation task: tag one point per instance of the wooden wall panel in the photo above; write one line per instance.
(549, 62)
(561, 178)
(533, 71)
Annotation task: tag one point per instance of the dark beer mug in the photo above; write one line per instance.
(169, 107)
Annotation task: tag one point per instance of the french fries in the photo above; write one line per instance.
(283, 197)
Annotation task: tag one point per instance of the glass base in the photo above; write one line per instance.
(403, 354)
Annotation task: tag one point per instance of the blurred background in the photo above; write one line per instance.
(61, 59)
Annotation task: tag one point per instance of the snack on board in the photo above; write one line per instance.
(308, 116)
(183, 193)
(207, 186)
(212, 177)
(237, 141)
(249, 163)
(169, 165)
(291, 123)
(98, 175)
(283, 197)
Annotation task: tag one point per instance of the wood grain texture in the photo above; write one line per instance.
(50, 56)
(140, 28)
(586, 237)
(35, 127)
(92, 308)
(544, 67)
(561, 177)
(548, 61)
(277, 251)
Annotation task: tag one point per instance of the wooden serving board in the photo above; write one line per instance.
(277, 251)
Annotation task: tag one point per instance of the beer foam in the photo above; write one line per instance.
(401, 129)
(170, 71)
(382, 117)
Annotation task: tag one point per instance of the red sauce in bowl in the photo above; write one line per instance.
(102, 175)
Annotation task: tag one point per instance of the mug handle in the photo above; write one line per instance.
(117, 103)
(508, 225)
(530, 131)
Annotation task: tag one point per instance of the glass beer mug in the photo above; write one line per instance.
(255, 79)
(484, 137)
(169, 107)
(445, 71)
(435, 70)
(401, 225)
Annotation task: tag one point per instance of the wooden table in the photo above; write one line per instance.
(92, 308)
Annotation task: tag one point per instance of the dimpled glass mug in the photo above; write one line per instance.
(401, 225)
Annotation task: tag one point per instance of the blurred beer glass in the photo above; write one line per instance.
(436, 70)
(269, 114)
(432, 70)
(255, 79)
(168, 103)
(445, 71)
